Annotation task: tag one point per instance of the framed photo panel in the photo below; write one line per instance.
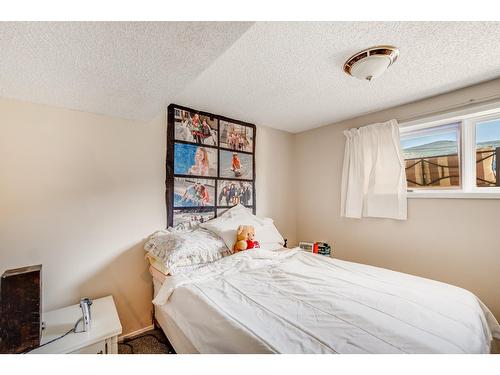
(195, 128)
(191, 218)
(235, 165)
(193, 192)
(210, 166)
(236, 137)
(220, 211)
(232, 192)
(195, 160)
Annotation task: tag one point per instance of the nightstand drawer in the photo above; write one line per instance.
(97, 348)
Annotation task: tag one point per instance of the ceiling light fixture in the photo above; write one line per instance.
(371, 62)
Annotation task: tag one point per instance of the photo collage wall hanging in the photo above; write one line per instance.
(210, 166)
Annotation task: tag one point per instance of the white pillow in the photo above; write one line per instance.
(226, 225)
(185, 251)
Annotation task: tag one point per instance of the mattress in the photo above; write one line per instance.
(291, 301)
(176, 337)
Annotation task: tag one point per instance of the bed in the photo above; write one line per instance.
(291, 301)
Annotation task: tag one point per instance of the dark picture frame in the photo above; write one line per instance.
(195, 162)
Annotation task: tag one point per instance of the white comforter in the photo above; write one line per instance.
(291, 301)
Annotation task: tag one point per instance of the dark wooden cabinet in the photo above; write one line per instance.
(20, 309)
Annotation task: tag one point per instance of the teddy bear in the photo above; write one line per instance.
(245, 238)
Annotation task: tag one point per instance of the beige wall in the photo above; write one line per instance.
(451, 240)
(80, 192)
(275, 180)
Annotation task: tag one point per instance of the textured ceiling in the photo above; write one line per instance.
(289, 75)
(285, 75)
(124, 69)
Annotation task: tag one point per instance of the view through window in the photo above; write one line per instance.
(487, 153)
(432, 157)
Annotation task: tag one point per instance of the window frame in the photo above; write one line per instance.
(468, 118)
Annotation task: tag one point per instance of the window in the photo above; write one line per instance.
(456, 156)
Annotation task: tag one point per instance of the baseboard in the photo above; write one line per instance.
(135, 333)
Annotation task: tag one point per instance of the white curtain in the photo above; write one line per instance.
(373, 178)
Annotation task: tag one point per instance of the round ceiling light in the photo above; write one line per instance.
(371, 62)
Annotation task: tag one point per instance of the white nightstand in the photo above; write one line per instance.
(101, 339)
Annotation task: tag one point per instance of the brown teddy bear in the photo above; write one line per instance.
(245, 238)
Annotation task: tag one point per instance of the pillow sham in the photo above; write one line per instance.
(226, 225)
(179, 252)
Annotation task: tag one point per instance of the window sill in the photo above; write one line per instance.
(453, 195)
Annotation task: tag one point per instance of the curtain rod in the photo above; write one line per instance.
(464, 105)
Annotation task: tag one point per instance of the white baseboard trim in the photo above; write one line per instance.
(135, 333)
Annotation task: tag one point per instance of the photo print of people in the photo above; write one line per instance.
(193, 192)
(191, 127)
(236, 165)
(236, 137)
(230, 193)
(195, 160)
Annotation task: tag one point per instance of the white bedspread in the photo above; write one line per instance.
(291, 301)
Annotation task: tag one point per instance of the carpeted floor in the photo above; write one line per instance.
(150, 342)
